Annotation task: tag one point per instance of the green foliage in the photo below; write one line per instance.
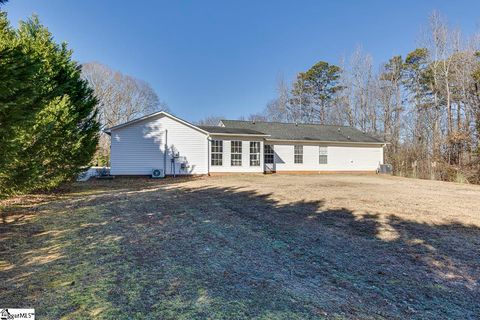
(418, 76)
(48, 127)
(314, 90)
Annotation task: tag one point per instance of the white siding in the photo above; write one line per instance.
(245, 167)
(340, 157)
(138, 148)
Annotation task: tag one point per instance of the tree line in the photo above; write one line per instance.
(426, 105)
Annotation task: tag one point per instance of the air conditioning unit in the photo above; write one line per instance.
(158, 173)
(385, 169)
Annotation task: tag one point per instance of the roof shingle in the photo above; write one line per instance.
(218, 129)
(304, 132)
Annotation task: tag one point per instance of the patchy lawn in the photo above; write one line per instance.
(241, 247)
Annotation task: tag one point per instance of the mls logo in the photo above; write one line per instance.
(4, 314)
(17, 314)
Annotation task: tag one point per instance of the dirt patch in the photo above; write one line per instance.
(241, 247)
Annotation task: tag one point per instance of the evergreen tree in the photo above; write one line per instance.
(47, 112)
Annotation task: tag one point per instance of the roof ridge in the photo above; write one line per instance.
(295, 123)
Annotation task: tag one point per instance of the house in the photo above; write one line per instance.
(163, 141)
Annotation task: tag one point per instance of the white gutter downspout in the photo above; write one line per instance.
(208, 155)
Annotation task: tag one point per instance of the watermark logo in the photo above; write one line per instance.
(17, 314)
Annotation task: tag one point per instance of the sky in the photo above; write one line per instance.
(224, 57)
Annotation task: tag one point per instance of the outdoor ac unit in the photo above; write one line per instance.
(158, 173)
(385, 169)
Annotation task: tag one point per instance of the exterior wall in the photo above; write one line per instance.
(140, 147)
(245, 167)
(340, 157)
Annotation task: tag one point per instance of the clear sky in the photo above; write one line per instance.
(223, 57)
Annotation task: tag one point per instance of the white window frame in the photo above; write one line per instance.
(254, 153)
(322, 155)
(268, 152)
(216, 153)
(298, 154)
(236, 153)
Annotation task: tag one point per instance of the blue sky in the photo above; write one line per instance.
(223, 57)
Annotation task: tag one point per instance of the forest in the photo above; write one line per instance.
(425, 105)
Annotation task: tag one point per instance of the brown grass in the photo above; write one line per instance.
(245, 246)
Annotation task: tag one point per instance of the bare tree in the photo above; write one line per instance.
(121, 99)
(210, 121)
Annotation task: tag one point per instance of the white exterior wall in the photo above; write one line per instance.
(245, 167)
(340, 157)
(138, 148)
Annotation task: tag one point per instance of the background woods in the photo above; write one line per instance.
(425, 105)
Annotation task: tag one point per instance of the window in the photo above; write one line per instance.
(322, 155)
(236, 150)
(254, 153)
(268, 154)
(298, 154)
(217, 152)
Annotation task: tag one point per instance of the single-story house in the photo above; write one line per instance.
(175, 146)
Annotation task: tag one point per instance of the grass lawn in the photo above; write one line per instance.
(241, 247)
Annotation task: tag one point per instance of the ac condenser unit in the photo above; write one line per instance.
(158, 173)
(385, 169)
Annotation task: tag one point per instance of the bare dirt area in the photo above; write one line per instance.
(243, 247)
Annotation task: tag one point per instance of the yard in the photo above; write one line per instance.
(241, 247)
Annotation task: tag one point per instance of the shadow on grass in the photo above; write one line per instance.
(167, 251)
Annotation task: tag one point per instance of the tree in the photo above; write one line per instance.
(210, 121)
(121, 98)
(53, 120)
(19, 69)
(313, 92)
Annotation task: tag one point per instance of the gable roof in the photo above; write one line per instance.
(304, 132)
(231, 131)
(152, 115)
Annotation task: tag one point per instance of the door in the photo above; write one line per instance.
(268, 158)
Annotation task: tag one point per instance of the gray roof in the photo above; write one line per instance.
(220, 130)
(305, 132)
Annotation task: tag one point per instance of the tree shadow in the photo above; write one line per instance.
(173, 251)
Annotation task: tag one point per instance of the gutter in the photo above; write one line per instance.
(326, 141)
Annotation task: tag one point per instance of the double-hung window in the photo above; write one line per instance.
(254, 153)
(217, 152)
(298, 154)
(322, 155)
(236, 153)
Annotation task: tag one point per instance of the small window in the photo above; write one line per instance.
(236, 151)
(322, 155)
(254, 153)
(268, 154)
(298, 154)
(217, 152)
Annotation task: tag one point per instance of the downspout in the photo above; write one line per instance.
(165, 154)
(208, 155)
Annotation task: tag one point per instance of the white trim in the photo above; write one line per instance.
(323, 141)
(109, 130)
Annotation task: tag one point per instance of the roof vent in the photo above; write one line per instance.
(348, 137)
